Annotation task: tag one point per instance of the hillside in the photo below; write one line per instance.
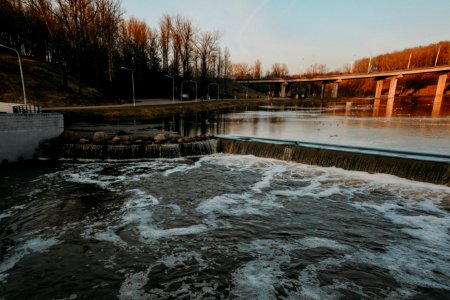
(43, 85)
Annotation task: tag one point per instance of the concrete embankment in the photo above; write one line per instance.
(21, 135)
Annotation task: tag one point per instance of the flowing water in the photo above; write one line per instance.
(233, 226)
(222, 226)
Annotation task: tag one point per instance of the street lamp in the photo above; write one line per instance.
(182, 89)
(21, 73)
(132, 82)
(195, 88)
(173, 88)
(213, 83)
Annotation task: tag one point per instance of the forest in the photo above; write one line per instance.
(93, 40)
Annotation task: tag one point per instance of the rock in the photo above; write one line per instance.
(124, 138)
(69, 137)
(174, 136)
(115, 140)
(99, 137)
(140, 136)
(83, 141)
(159, 138)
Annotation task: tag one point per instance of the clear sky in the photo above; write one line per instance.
(303, 32)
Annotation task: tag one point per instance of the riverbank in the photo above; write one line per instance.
(141, 113)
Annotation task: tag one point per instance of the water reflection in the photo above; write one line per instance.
(397, 107)
(408, 123)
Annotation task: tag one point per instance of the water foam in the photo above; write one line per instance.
(256, 280)
(38, 244)
(179, 259)
(316, 242)
(132, 287)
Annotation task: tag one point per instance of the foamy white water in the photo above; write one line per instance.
(223, 227)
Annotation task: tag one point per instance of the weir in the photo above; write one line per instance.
(425, 167)
(92, 151)
(432, 168)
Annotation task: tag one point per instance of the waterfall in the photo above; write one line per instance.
(415, 166)
(92, 151)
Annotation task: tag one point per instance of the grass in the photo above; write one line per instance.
(43, 85)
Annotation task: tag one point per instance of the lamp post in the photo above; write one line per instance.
(195, 88)
(132, 82)
(21, 73)
(182, 89)
(437, 56)
(173, 88)
(213, 83)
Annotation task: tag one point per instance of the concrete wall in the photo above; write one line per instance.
(7, 107)
(22, 134)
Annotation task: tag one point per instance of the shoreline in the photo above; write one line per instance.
(113, 114)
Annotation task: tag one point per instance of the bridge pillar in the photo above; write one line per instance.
(334, 91)
(379, 89)
(437, 103)
(322, 90)
(391, 96)
(283, 90)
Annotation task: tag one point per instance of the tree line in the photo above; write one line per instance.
(93, 40)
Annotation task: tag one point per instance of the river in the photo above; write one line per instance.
(229, 226)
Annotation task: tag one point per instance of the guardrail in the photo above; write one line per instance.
(27, 109)
(14, 108)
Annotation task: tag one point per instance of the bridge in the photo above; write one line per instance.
(379, 77)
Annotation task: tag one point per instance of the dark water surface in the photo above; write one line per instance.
(222, 226)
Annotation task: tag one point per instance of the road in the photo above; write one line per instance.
(140, 102)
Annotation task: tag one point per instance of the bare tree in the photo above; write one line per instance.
(184, 33)
(316, 69)
(176, 50)
(279, 70)
(153, 50)
(240, 70)
(135, 37)
(206, 45)
(165, 27)
(226, 63)
(257, 69)
(107, 24)
(76, 17)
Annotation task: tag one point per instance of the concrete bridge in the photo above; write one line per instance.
(379, 77)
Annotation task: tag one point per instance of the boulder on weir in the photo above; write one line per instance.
(115, 140)
(159, 138)
(100, 137)
(69, 137)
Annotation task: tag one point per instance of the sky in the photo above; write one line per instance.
(300, 33)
